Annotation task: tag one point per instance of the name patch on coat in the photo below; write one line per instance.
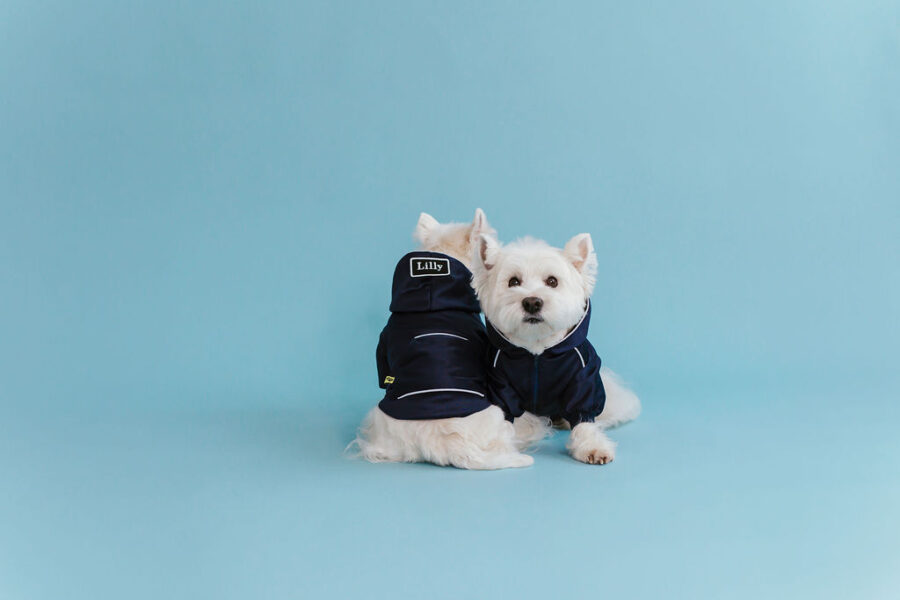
(429, 267)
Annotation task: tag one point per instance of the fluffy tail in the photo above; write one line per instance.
(622, 405)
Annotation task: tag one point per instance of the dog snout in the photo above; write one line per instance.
(532, 304)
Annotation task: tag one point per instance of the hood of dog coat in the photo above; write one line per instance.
(431, 281)
(431, 354)
(576, 338)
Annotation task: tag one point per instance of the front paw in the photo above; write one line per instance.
(589, 444)
(595, 456)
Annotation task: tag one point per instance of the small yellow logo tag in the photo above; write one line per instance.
(389, 379)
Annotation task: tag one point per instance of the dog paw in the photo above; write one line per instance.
(521, 460)
(595, 456)
(588, 444)
(513, 460)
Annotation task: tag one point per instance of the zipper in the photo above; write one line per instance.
(534, 397)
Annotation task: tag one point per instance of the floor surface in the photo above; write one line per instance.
(783, 497)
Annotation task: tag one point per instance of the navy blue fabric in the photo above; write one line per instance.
(555, 384)
(434, 340)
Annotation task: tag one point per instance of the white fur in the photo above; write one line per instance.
(589, 444)
(622, 404)
(532, 262)
(454, 239)
(484, 440)
(530, 429)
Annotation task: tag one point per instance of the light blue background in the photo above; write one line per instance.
(200, 208)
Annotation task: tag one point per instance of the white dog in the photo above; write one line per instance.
(480, 440)
(536, 300)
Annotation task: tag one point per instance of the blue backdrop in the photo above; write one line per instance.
(201, 205)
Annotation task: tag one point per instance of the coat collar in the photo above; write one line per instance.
(575, 338)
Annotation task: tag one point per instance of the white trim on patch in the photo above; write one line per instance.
(441, 333)
(441, 390)
(579, 356)
(445, 261)
(496, 356)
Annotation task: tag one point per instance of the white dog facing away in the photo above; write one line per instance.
(483, 439)
(536, 300)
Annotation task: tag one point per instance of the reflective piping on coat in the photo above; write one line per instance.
(441, 390)
(496, 356)
(577, 325)
(579, 356)
(441, 333)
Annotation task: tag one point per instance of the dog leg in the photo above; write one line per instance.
(484, 440)
(530, 429)
(589, 444)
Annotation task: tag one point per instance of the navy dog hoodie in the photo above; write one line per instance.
(431, 354)
(561, 382)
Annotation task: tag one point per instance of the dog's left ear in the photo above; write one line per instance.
(580, 252)
(426, 223)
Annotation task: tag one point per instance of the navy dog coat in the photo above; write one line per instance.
(561, 382)
(431, 354)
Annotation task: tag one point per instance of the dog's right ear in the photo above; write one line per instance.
(486, 251)
(480, 225)
(426, 223)
(480, 222)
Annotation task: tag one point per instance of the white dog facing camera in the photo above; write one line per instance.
(460, 394)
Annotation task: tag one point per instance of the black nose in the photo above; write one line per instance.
(532, 304)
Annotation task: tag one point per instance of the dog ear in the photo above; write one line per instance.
(426, 223)
(480, 222)
(479, 225)
(580, 251)
(486, 248)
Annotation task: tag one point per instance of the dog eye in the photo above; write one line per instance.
(551, 281)
(514, 281)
